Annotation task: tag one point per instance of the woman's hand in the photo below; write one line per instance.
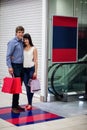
(34, 75)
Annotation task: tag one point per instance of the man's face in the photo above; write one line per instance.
(20, 34)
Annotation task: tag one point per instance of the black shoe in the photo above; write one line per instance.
(20, 108)
(15, 110)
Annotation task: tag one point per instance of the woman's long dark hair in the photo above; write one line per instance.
(27, 36)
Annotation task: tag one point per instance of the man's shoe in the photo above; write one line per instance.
(15, 110)
(20, 108)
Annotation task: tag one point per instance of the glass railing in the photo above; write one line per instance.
(68, 77)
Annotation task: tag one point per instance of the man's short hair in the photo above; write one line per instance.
(19, 28)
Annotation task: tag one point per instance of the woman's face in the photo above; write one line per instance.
(26, 41)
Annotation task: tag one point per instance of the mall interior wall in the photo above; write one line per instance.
(29, 14)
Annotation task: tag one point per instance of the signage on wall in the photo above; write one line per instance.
(64, 48)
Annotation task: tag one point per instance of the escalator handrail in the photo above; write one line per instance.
(52, 81)
(53, 73)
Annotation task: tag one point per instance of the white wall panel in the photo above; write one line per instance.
(27, 13)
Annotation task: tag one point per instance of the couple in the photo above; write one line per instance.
(21, 60)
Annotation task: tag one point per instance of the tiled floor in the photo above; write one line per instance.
(75, 114)
(33, 116)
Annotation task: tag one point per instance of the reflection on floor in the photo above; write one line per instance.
(28, 117)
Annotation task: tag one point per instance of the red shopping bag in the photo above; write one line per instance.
(12, 85)
(7, 84)
(16, 86)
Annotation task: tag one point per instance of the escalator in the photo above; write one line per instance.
(68, 80)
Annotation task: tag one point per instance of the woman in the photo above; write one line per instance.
(30, 66)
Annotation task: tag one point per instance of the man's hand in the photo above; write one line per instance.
(10, 70)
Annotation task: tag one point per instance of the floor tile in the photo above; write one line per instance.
(4, 124)
(33, 116)
(75, 114)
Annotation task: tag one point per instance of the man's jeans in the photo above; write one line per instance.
(18, 72)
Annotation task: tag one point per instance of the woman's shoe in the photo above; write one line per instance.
(28, 107)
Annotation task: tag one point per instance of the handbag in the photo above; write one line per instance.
(12, 85)
(34, 85)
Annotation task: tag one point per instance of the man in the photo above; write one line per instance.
(14, 60)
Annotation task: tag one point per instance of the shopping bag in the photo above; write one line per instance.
(34, 85)
(12, 85)
(16, 86)
(7, 85)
